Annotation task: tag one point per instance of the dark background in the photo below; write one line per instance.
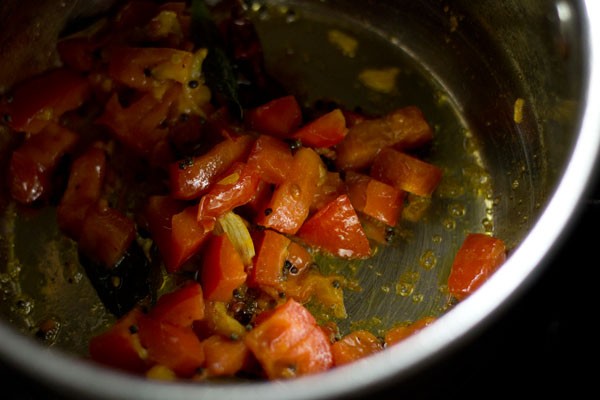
(546, 344)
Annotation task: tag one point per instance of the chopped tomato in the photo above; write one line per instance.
(291, 200)
(330, 187)
(225, 357)
(401, 332)
(336, 229)
(272, 251)
(325, 290)
(477, 259)
(84, 188)
(272, 159)
(325, 131)
(43, 99)
(119, 346)
(106, 234)
(78, 53)
(279, 117)
(180, 307)
(354, 346)
(174, 347)
(374, 198)
(222, 269)
(236, 188)
(288, 342)
(138, 126)
(187, 237)
(299, 257)
(145, 68)
(33, 163)
(174, 228)
(190, 178)
(405, 128)
(406, 172)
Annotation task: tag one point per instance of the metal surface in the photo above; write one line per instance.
(465, 64)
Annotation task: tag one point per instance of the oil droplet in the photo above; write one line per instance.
(418, 298)
(428, 260)
(456, 210)
(515, 184)
(404, 289)
(385, 289)
(449, 224)
(488, 224)
(437, 238)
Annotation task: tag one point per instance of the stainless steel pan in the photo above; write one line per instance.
(512, 91)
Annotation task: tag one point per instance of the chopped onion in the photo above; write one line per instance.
(236, 230)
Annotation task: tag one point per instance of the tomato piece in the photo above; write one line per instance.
(187, 237)
(272, 251)
(106, 234)
(478, 258)
(401, 332)
(78, 52)
(325, 131)
(145, 68)
(291, 201)
(33, 162)
(405, 172)
(336, 229)
(138, 126)
(299, 257)
(180, 307)
(43, 99)
(225, 357)
(190, 178)
(222, 269)
(354, 346)
(84, 188)
(174, 228)
(324, 290)
(236, 188)
(405, 128)
(374, 198)
(329, 188)
(119, 346)
(287, 342)
(279, 117)
(174, 347)
(272, 158)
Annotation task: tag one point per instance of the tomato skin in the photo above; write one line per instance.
(272, 159)
(336, 229)
(326, 131)
(174, 347)
(189, 179)
(374, 198)
(278, 117)
(399, 333)
(84, 188)
(236, 188)
(180, 307)
(405, 172)
(478, 258)
(354, 346)
(32, 164)
(44, 98)
(287, 342)
(404, 128)
(272, 251)
(291, 201)
(225, 357)
(222, 269)
(106, 234)
(119, 347)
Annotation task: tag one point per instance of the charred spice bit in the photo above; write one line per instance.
(133, 329)
(7, 118)
(48, 330)
(193, 84)
(234, 337)
(186, 162)
(336, 284)
(268, 211)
